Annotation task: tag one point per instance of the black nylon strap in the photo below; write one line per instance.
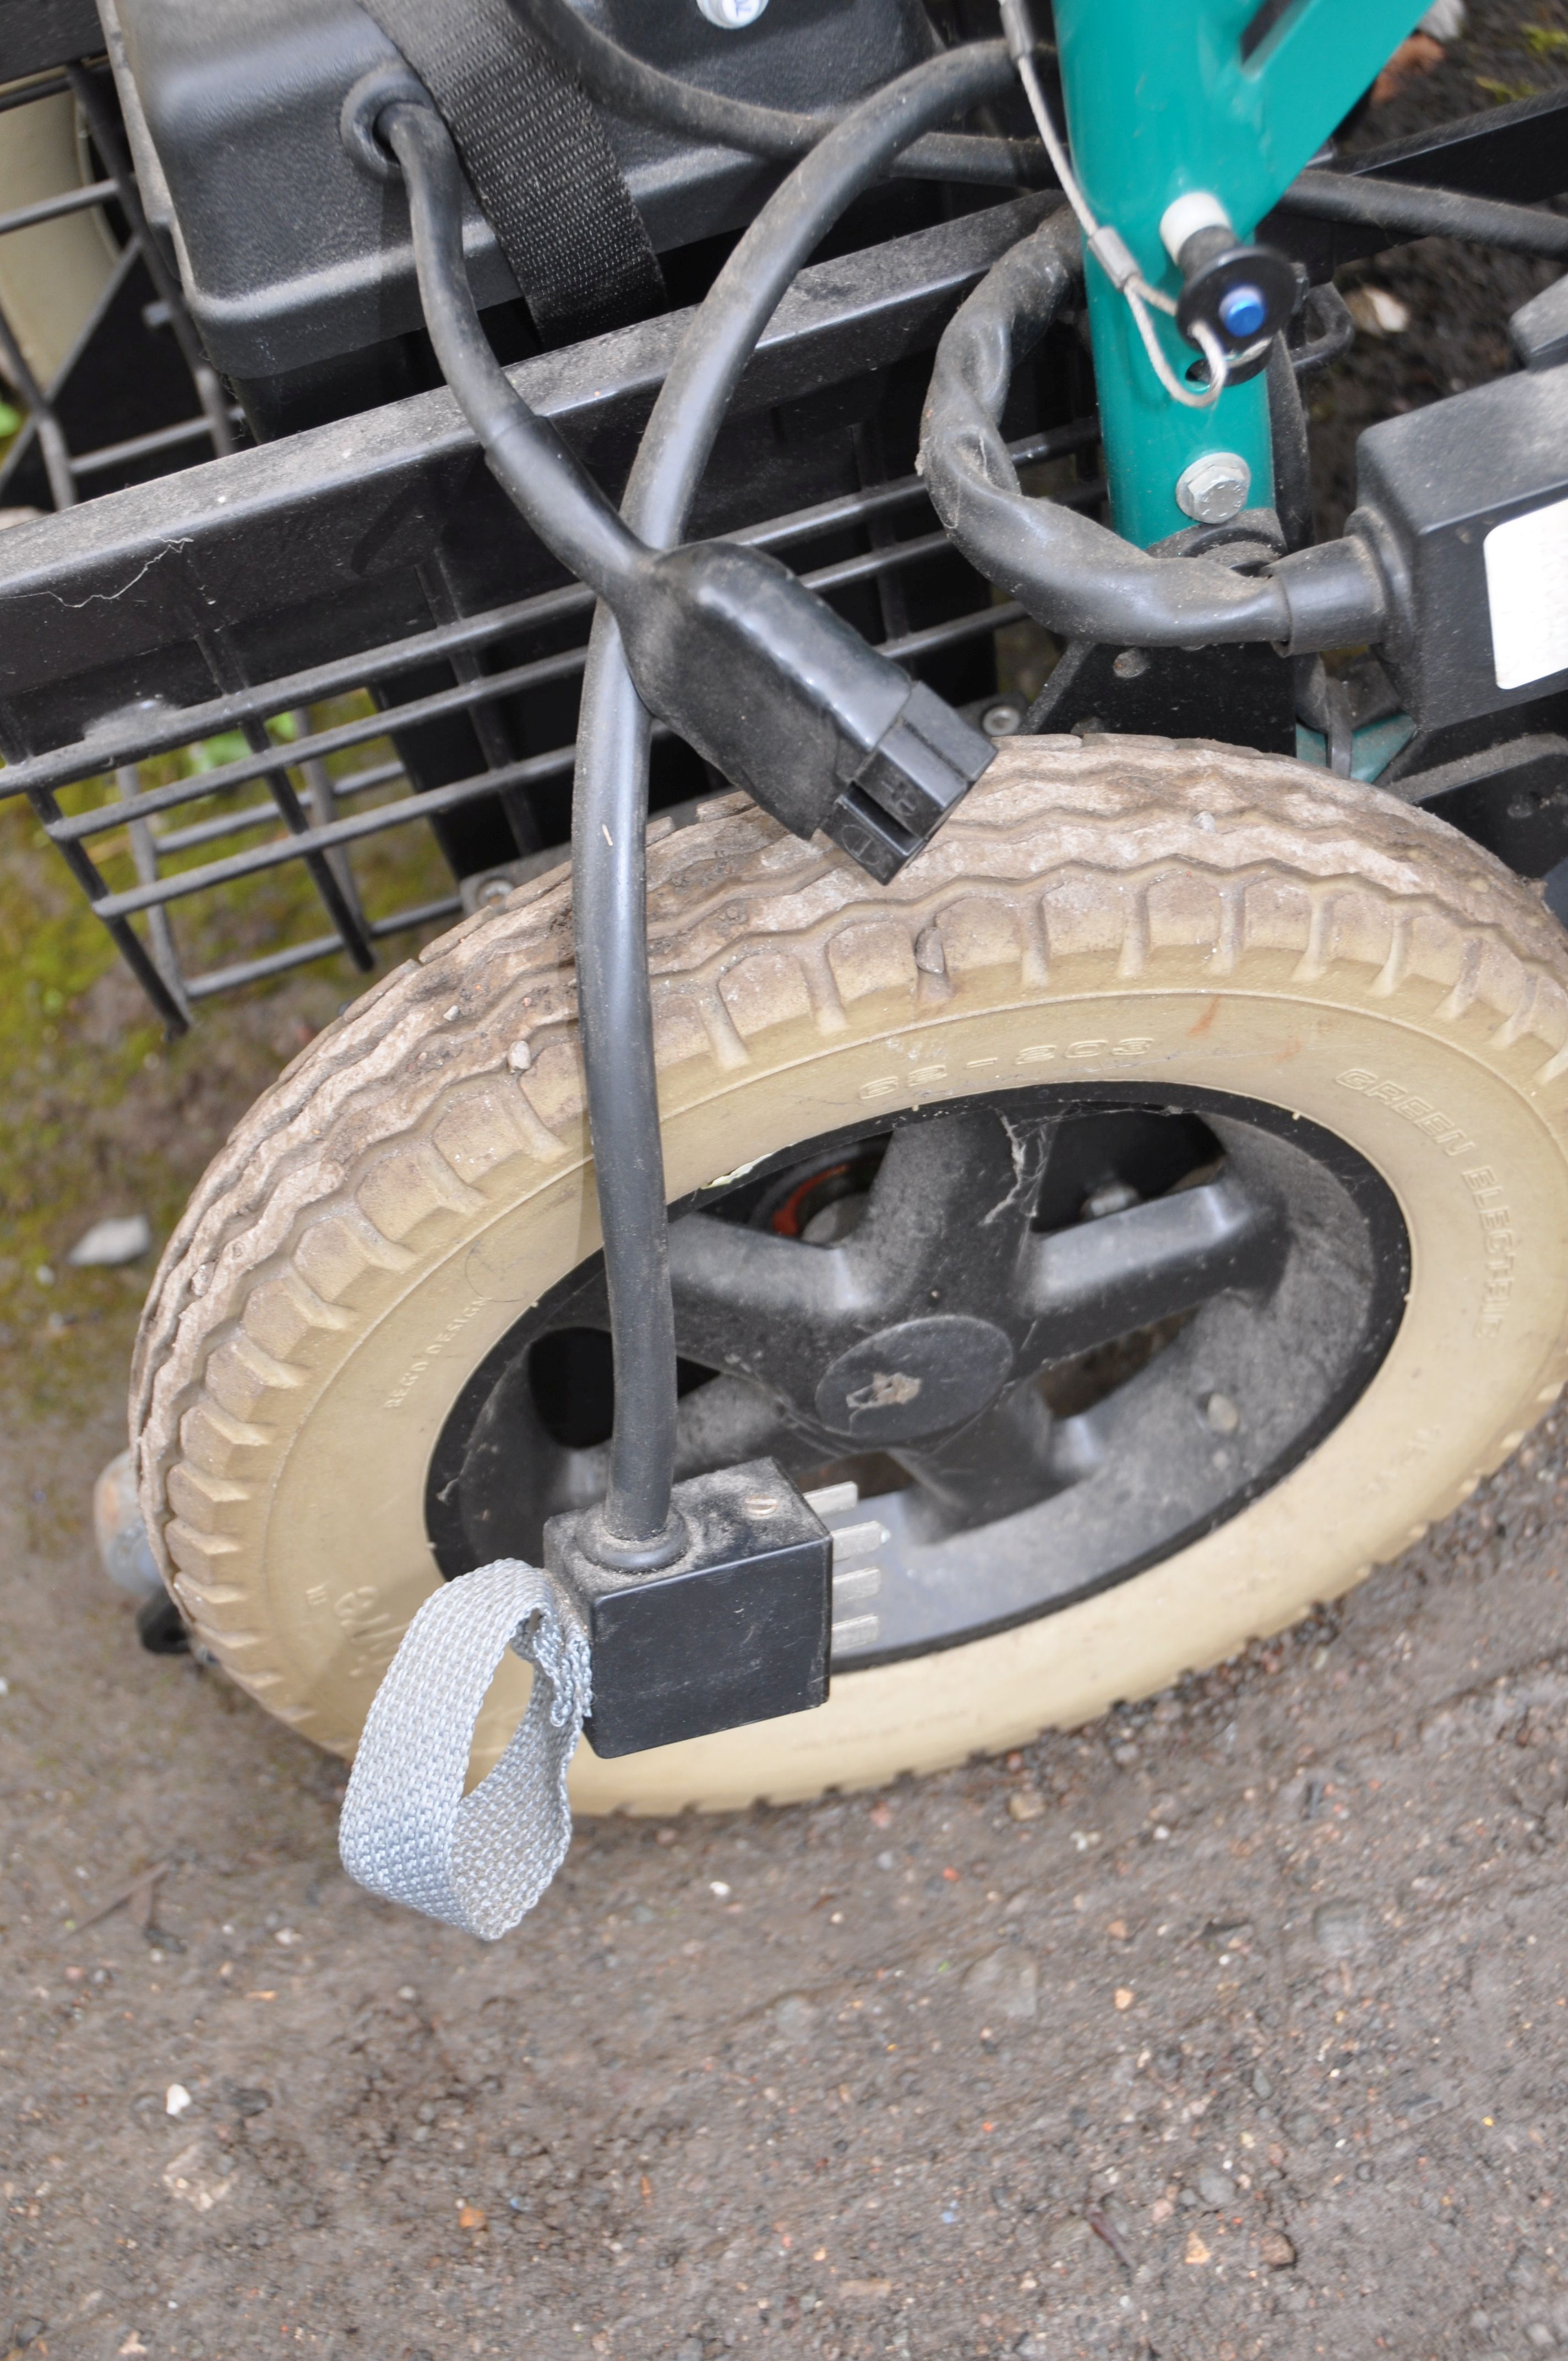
(536, 155)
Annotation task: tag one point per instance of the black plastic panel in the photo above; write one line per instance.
(293, 255)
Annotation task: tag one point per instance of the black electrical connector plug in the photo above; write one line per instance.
(788, 701)
(724, 644)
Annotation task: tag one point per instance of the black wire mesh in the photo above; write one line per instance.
(68, 473)
(317, 780)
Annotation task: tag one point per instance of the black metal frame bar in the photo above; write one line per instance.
(96, 602)
(142, 737)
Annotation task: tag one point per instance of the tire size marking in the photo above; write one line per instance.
(1497, 1235)
(1038, 1053)
(432, 1351)
(1501, 1245)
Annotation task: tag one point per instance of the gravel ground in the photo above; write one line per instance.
(1236, 2025)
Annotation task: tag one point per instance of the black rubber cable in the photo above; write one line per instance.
(1072, 574)
(611, 794)
(1422, 211)
(640, 93)
(540, 471)
(557, 496)
(1288, 448)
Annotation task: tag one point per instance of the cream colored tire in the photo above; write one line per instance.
(53, 275)
(1121, 908)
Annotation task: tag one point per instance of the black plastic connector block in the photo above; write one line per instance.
(780, 694)
(736, 1629)
(1464, 505)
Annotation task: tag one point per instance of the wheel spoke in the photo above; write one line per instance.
(999, 1463)
(1104, 1278)
(731, 1420)
(746, 1300)
(953, 1189)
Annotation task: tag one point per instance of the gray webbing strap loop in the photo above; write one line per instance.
(539, 163)
(408, 1831)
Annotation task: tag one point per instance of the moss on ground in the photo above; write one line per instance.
(99, 1112)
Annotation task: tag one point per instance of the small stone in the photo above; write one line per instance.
(1196, 2251)
(1161, 2211)
(1275, 2251)
(124, 1238)
(471, 2217)
(1025, 1804)
(1221, 1414)
(176, 2099)
(1126, 1755)
(1262, 2083)
(1378, 311)
(1067, 2237)
(886, 1861)
(1003, 1983)
(1122, 1997)
(1030, 2347)
(519, 1057)
(1540, 2337)
(1340, 1928)
(795, 2018)
(28, 2331)
(1214, 2187)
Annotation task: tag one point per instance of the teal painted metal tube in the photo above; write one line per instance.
(1161, 103)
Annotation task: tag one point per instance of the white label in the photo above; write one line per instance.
(1527, 589)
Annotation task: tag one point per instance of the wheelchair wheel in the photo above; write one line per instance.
(1249, 1084)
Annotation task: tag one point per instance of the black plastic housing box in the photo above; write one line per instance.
(735, 1631)
(292, 255)
(1467, 505)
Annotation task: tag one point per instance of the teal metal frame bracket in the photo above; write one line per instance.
(1162, 104)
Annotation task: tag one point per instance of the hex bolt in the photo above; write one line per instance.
(1002, 721)
(734, 15)
(1213, 489)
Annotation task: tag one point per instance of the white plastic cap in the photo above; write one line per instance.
(1185, 216)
